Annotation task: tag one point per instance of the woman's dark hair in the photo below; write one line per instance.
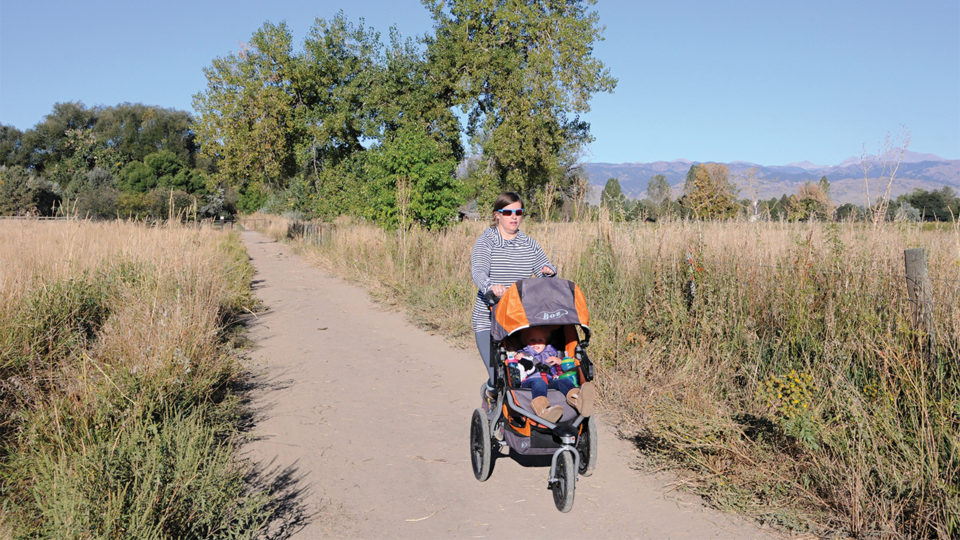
(506, 198)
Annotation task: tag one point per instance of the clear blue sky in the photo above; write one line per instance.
(755, 80)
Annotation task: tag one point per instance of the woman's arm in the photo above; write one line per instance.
(480, 264)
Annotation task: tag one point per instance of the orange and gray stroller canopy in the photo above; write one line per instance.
(539, 302)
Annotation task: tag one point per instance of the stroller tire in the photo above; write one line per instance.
(565, 483)
(480, 452)
(587, 446)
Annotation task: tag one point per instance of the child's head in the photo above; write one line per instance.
(536, 338)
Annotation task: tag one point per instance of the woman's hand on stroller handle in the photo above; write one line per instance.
(496, 292)
(493, 294)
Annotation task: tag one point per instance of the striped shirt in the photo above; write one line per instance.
(496, 261)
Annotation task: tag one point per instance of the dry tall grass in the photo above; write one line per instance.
(117, 419)
(775, 362)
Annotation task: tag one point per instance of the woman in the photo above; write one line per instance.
(501, 256)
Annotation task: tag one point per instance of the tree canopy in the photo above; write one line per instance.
(811, 202)
(322, 127)
(658, 190)
(708, 192)
(278, 119)
(271, 114)
(248, 109)
(938, 205)
(523, 72)
(88, 155)
(412, 179)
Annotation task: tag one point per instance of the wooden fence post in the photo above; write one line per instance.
(919, 290)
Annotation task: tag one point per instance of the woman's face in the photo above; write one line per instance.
(509, 224)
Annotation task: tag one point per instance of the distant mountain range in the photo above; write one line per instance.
(924, 171)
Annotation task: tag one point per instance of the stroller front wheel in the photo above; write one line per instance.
(565, 483)
(480, 453)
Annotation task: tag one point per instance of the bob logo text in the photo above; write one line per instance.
(548, 315)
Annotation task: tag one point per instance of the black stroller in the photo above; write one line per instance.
(509, 421)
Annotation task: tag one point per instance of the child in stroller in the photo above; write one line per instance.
(539, 364)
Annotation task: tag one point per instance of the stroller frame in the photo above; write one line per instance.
(572, 437)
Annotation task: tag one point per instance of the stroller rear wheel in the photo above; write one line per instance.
(480, 453)
(587, 446)
(565, 483)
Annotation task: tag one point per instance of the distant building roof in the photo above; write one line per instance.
(470, 211)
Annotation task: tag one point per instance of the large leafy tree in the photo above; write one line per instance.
(135, 130)
(73, 140)
(49, 141)
(658, 196)
(81, 153)
(137, 176)
(708, 192)
(84, 154)
(160, 169)
(658, 190)
(811, 202)
(247, 113)
(23, 193)
(332, 82)
(270, 114)
(405, 91)
(523, 71)
(298, 123)
(939, 205)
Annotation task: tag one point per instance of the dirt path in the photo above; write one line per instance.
(369, 416)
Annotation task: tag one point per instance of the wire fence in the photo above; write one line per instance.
(219, 223)
(915, 296)
(38, 218)
(890, 275)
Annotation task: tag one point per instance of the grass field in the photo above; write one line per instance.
(774, 365)
(119, 417)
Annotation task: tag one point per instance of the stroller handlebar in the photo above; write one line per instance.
(492, 299)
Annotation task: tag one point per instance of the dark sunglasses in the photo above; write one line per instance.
(510, 212)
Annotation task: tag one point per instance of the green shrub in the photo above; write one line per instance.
(94, 443)
(23, 193)
(97, 202)
(145, 473)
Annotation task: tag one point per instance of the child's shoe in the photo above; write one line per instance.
(541, 406)
(582, 398)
